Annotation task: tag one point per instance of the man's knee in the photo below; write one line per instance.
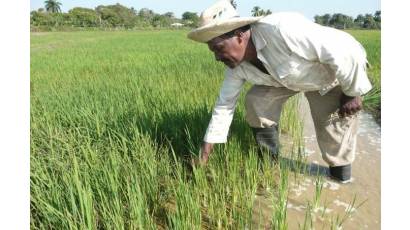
(263, 106)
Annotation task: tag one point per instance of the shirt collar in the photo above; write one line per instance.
(257, 39)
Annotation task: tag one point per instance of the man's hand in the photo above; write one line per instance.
(206, 150)
(349, 105)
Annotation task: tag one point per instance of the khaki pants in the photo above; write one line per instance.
(336, 136)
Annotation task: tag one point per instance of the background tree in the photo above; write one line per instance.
(39, 18)
(120, 16)
(378, 16)
(164, 20)
(359, 20)
(169, 15)
(326, 19)
(43, 18)
(341, 21)
(233, 4)
(323, 20)
(369, 22)
(190, 18)
(52, 6)
(84, 17)
(133, 10)
(318, 19)
(146, 14)
(256, 11)
(116, 16)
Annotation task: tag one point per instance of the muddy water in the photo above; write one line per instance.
(336, 199)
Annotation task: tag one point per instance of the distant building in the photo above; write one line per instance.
(177, 24)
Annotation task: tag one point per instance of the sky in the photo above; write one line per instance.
(309, 8)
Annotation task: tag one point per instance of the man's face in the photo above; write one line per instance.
(227, 50)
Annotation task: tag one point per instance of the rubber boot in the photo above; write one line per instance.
(342, 174)
(268, 140)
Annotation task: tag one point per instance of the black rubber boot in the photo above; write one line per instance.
(341, 173)
(268, 140)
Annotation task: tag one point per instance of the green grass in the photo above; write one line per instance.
(115, 120)
(371, 41)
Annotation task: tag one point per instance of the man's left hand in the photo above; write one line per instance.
(350, 105)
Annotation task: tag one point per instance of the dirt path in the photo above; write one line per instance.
(336, 199)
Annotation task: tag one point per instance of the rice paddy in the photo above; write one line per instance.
(116, 118)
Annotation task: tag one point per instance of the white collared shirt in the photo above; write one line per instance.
(299, 55)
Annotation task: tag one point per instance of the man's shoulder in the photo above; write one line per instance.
(236, 72)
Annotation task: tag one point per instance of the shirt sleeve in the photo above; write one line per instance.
(345, 56)
(223, 111)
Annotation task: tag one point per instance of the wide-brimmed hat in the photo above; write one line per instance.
(219, 19)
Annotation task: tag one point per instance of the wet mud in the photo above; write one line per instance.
(355, 205)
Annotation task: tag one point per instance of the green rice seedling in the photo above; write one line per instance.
(188, 213)
(323, 211)
(308, 221)
(337, 222)
(318, 191)
(279, 220)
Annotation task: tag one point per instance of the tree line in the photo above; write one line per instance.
(341, 21)
(106, 16)
(118, 16)
(338, 20)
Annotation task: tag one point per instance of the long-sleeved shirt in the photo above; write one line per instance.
(298, 54)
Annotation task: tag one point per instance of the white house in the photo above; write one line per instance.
(177, 24)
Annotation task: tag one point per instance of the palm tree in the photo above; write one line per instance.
(233, 4)
(256, 11)
(52, 6)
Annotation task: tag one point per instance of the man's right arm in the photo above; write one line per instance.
(222, 114)
(205, 152)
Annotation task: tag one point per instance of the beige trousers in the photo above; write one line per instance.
(336, 136)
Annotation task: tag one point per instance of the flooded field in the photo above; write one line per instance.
(356, 205)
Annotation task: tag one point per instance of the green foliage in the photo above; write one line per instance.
(84, 17)
(370, 22)
(378, 16)
(190, 18)
(342, 21)
(257, 11)
(116, 15)
(42, 18)
(323, 20)
(52, 6)
(110, 16)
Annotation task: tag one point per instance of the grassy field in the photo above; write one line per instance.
(115, 119)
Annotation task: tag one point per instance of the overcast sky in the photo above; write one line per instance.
(309, 8)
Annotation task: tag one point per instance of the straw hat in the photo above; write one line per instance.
(219, 19)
